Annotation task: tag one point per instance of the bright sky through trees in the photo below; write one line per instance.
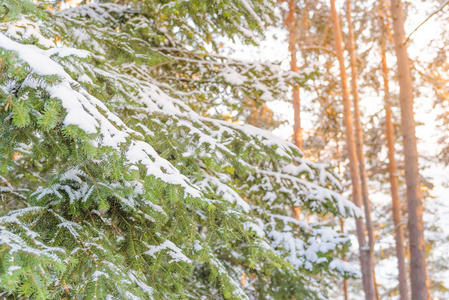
(275, 48)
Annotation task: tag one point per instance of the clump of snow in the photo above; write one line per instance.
(172, 250)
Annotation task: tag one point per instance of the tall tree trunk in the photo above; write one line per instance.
(419, 281)
(365, 260)
(359, 134)
(392, 168)
(290, 22)
(345, 281)
(393, 172)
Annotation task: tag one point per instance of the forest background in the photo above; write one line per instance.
(426, 27)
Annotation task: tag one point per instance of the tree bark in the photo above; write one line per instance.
(345, 282)
(290, 22)
(393, 174)
(365, 261)
(392, 168)
(359, 134)
(419, 281)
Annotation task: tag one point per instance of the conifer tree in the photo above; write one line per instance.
(291, 24)
(392, 166)
(359, 140)
(366, 260)
(119, 178)
(418, 270)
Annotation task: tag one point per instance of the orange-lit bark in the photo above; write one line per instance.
(418, 275)
(359, 134)
(393, 174)
(365, 260)
(392, 168)
(345, 282)
(296, 101)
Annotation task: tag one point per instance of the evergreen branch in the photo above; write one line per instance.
(8, 152)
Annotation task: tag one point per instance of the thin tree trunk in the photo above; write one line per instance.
(296, 101)
(359, 134)
(393, 172)
(365, 261)
(342, 221)
(392, 168)
(419, 281)
(376, 286)
(345, 282)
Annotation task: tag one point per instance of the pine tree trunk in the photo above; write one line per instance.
(393, 172)
(345, 282)
(419, 281)
(359, 134)
(365, 261)
(296, 101)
